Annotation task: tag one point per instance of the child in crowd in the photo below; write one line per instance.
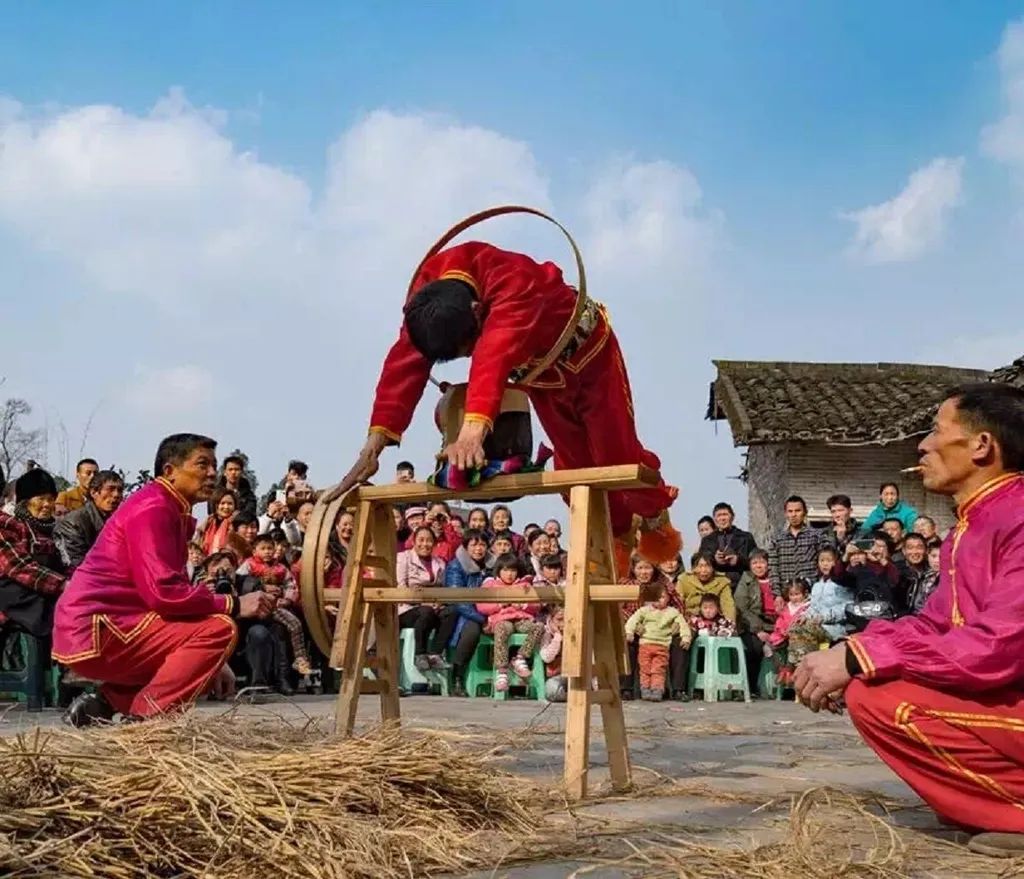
(798, 599)
(278, 580)
(710, 621)
(556, 687)
(501, 544)
(552, 571)
(281, 544)
(195, 559)
(827, 611)
(655, 624)
(539, 545)
(926, 584)
(503, 620)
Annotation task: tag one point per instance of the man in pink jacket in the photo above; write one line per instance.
(129, 615)
(939, 695)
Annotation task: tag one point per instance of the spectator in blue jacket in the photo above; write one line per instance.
(465, 571)
(889, 507)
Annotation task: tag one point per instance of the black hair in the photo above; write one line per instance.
(266, 537)
(722, 505)
(86, 461)
(427, 528)
(405, 465)
(842, 500)
(503, 535)
(487, 517)
(553, 560)
(698, 556)
(471, 534)
(997, 409)
(244, 517)
(3, 481)
(829, 549)
(712, 598)
(800, 583)
(101, 478)
(447, 509)
(278, 535)
(897, 521)
(218, 495)
(913, 535)
(704, 519)
(500, 507)
(884, 538)
(440, 319)
(886, 485)
(299, 468)
(796, 499)
(533, 535)
(233, 459)
(530, 526)
(757, 554)
(506, 560)
(174, 449)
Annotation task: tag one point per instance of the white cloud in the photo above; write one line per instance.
(172, 391)
(914, 221)
(1004, 140)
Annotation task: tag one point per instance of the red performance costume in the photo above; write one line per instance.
(130, 617)
(941, 695)
(583, 400)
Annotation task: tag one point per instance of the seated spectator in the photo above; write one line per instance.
(478, 520)
(501, 520)
(297, 471)
(463, 623)
(418, 567)
(787, 634)
(728, 546)
(31, 569)
(756, 611)
(279, 584)
(404, 472)
(446, 538)
(273, 517)
(213, 533)
(798, 599)
(894, 528)
(870, 576)
(302, 516)
(705, 528)
(414, 517)
(701, 581)
(655, 625)
(501, 544)
(246, 526)
(231, 477)
(672, 569)
(76, 532)
(709, 621)
(889, 506)
(925, 526)
(281, 544)
(829, 597)
(504, 620)
(553, 529)
(75, 497)
(844, 526)
(556, 685)
(345, 527)
(195, 560)
(926, 584)
(912, 567)
(552, 571)
(538, 546)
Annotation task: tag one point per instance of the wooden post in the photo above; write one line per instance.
(386, 615)
(352, 630)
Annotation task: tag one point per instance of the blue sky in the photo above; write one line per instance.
(717, 161)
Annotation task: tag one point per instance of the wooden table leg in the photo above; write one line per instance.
(576, 645)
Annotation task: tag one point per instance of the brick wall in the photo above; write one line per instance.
(815, 471)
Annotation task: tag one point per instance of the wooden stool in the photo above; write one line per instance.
(593, 642)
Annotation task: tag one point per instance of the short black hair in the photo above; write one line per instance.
(757, 554)
(884, 538)
(440, 320)
(497, 507)
(701, 556)
(722, 505)
(244, 517)
(534, 535)
(266, 537)
(234, 459)
(471, 534)
(405, 465)
(506, 560)
(796, 499)
(278, 535)
(174, 449)
(704, 519)
(101, 478)
(800, 583)
(552, 561)
(840, 500)
(894, 519)
(886, 485)
(913, 535)
(85, 461)
(301, 468)
(503, 535)
(998, 409)
(711, 598)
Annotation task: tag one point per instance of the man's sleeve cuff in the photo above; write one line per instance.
(857, 660)
(479, 418)
(396, 438)
(230, 606)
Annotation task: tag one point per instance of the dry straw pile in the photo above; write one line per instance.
(227, 798)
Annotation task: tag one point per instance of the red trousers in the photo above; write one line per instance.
(652, 661)
(964, 757)
(168, 665)
(590, 423)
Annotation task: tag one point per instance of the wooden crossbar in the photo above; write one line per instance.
(514, 485)
(510, 594)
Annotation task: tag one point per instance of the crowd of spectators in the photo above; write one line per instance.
(807, 587)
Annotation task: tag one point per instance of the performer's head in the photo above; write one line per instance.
(443, 320)
(977, 435)
(188, 461)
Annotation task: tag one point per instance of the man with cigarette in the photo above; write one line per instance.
(940, 695)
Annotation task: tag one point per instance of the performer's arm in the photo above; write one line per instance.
(402, 380)
(986, 653)
(153, 562)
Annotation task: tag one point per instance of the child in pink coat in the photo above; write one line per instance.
(505, 619)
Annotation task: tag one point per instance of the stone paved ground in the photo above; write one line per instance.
(763, 752)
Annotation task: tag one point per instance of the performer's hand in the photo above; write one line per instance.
(255, 604)
(819, 675)
(224, 683)
(467, 451)
(365, 466)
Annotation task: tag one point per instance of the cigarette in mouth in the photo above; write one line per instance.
(916, 469)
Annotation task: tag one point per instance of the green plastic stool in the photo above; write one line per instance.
(480, 673)
(717, 665)
(409, 675)
(767, 681)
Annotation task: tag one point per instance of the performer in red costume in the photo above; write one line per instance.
(129, 615)
(940, 695)
(510, 314)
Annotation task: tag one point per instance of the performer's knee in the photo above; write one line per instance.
(220, 630)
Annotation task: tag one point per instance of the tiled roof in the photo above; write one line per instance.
(837, 403)
(1012, 374)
